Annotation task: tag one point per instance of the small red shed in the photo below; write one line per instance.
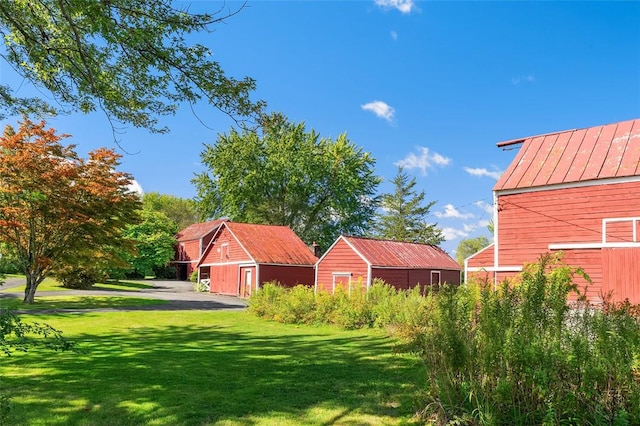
(576, 191)
(241, 257)
(401, 264)
(191, 242)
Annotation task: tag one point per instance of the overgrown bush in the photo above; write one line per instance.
(523, 354)
(194, 276)
(381, 306)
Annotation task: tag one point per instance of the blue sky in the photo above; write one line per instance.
(429, 85)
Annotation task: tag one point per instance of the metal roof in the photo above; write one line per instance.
(398, 254)
(272, 244)
(198, 230)
(601, 152)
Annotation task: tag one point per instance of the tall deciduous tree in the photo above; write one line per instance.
(129, 58)
(285, 175)
(469, 246)
(154, 239)
(54, 204)
(182, 211)
(402, 215)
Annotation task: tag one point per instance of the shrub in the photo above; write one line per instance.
(80, 277)
(194, 276)
(265, 302)
(524, 355)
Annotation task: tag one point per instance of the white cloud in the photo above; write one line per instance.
(483, 172)
(394, 35)
(425, 161)
(380, 109)
(451, 212)
(486, 207)
(452, 233)
(404, 6)
(472, 227)
(529, 78)
(134, 186)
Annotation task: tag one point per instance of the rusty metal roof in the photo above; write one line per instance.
(398, 254)
(272, 244)
(198, 230)
(601, 152)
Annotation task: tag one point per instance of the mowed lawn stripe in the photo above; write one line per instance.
(205, 367)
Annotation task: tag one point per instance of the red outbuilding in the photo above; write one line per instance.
(576, 191)
(191, 242)
(404, 265)
(241, 257)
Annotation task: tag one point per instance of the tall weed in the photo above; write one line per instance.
(523, 355)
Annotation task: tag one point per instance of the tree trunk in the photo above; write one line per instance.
(30, 289)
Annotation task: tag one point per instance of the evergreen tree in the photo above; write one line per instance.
(402, 216)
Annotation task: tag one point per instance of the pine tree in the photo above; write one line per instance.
(402, 216)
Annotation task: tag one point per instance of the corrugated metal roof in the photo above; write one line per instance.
(272, 244)
(398, 254)
(198, 230)
(577, 155)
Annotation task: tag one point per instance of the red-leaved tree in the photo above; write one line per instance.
(54, 204)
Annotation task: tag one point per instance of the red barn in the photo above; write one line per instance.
(242, 256)
(403, 265)
(576, 191)
(191, 242)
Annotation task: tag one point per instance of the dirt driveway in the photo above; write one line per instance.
(179, 294)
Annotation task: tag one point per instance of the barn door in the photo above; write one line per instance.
(621, 273)
(246, 282)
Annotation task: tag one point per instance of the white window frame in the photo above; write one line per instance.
(341, 275)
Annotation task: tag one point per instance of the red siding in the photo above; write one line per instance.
(340, 258)
(287, 276)
(224, 279)
(529, 222)
(405, 279)
(621, 273)
(190, 250)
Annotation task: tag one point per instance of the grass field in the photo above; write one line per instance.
(209, 368)
(52, 303)
(51, 284)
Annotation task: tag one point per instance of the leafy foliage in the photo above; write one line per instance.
(154, 240)
(55, 207)
(179, 210)
(524, 355)
(381, 306)
(287, 176)
(469, 246)
(403, 215)
(129, 58)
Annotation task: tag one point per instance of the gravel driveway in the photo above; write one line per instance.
(180, 296)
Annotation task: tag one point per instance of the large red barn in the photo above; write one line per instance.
(191, 242)
(401, 264)
(576, 191)
(241, 257)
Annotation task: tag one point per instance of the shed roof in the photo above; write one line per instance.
(272, 244)
(398, 254)
(600, 152)
(198, 230)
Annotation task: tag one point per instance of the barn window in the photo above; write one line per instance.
(435, 278)
(342, 280)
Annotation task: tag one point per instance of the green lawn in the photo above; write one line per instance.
(77, 302)
(51, 284)
(209, 368)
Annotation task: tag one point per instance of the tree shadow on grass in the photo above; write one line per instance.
(216, 374)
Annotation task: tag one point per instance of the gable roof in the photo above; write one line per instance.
(578, 155)
(198, 230)
(398, 254)
(271, 244)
